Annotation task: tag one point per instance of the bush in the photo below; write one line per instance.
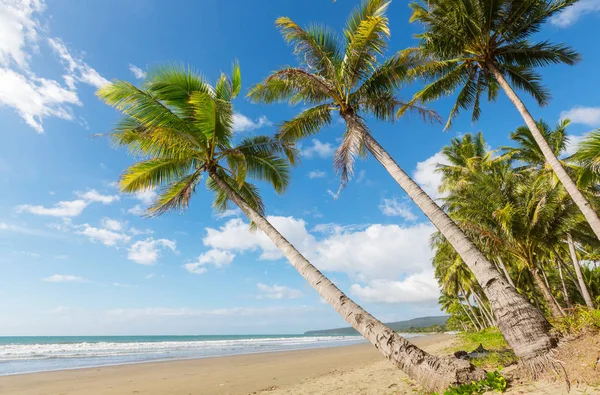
(578, 320)
(493, 381)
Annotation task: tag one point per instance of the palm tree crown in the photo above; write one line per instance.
(466, 40)
(344, 76)
(181, 127)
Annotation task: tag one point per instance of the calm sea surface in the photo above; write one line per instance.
(44, 353)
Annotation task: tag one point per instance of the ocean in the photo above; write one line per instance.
(46, 353)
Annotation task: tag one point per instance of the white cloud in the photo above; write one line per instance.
(236, 236)
(316, 174)
(104, 236)
(18, 27)
(61, 209)
(218, 258)
(367, 253)
(64, 278)
(589, 116)
(112, 224)
(572, 14)
(394, 208)
(573, 144)
(322, 150)
(146, 252)
(35, 98)
(419, 287)
(77, 69)
(242, 123)
(137, 72)
(94, 196)
(71, 208)
(278, 292)
(236, 212)
(137, 210)
(187, 312)
(427, 177)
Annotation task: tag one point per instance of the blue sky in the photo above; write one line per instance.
(75, 256)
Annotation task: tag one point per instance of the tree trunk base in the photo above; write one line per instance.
(538, 366)
(439, 373)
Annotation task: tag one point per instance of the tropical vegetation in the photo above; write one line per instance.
(348, 78)
(180, 128)
(518, 240)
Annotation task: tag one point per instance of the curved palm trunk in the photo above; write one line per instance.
(480, 323)
(432, 371)
(488, 314)
(550, 289)
(522, 325)
(584, 290)
(564, 286)
(570, 186)
(553, 307)
(477, 328)
(505, 271)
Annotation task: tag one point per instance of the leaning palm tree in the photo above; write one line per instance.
(349, 79)
(181, 127)
(477, 46)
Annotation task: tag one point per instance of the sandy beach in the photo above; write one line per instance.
(357, 369)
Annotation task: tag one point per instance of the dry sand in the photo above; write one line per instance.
(358, 369)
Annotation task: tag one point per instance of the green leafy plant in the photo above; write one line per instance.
(578, 320)
(493, 381)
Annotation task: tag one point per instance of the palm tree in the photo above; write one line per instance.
(181, 128)
(476, 45)
(530, 154)
(349, 80)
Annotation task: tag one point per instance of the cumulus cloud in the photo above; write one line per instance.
(94, 196)
(242, 123)
(64, 278)
(71, 208)
(278, 292)
(364, 252)
(105, 236)
(146, 252)
(589, 116)
(319, 149)
(112, 224)
(36, 98)
(427, 177)
(394, 208)
(218, 258)
(419, 287)
(573, 13)
(147, 198)
(33, 97)
(137, 72)
(316, 174)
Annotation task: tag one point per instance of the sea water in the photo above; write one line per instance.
(45, 353)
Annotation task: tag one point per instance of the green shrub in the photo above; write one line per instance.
(579, 319)
(493, 381)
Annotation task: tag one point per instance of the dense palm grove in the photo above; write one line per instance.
(518, 226)
(512, 206)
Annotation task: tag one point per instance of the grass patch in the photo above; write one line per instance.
(578, 320)
(500, 355)
(492, 382)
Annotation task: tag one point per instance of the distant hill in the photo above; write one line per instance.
(398, 326)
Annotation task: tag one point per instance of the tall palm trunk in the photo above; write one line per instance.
(522, 325)
(549, 287)
(569, 185)
(477, 327)
(564, 286)
(488, 314)
(505, 270)
(553, 307)
(432, 371)
(480, 322)
(584, 290)
(573, 279)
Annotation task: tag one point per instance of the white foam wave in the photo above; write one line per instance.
(13, 352)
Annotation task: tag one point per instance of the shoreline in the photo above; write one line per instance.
(238, 374)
